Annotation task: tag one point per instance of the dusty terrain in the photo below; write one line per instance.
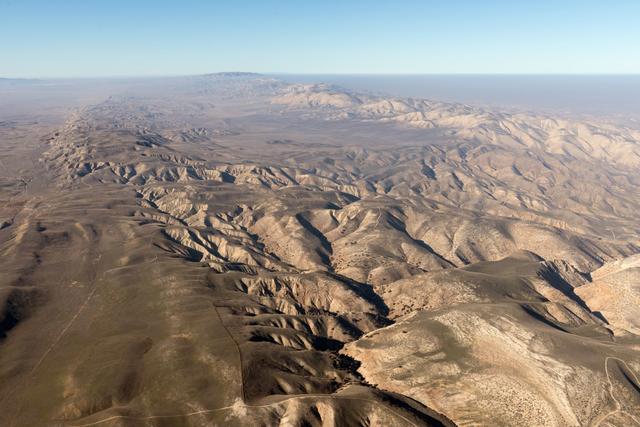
(231, 249)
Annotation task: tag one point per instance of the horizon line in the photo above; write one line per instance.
(289, 73)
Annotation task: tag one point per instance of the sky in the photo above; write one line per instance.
(92, 38)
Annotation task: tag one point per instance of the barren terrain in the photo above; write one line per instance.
(231, 249)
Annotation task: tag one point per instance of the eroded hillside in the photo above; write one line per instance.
(234, 250)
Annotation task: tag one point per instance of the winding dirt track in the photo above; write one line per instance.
(618, 404)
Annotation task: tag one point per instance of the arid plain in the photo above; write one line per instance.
(231, 249)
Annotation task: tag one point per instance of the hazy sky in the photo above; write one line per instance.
(105, 38)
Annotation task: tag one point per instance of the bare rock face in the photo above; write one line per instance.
(615, 294)
(230, 249)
